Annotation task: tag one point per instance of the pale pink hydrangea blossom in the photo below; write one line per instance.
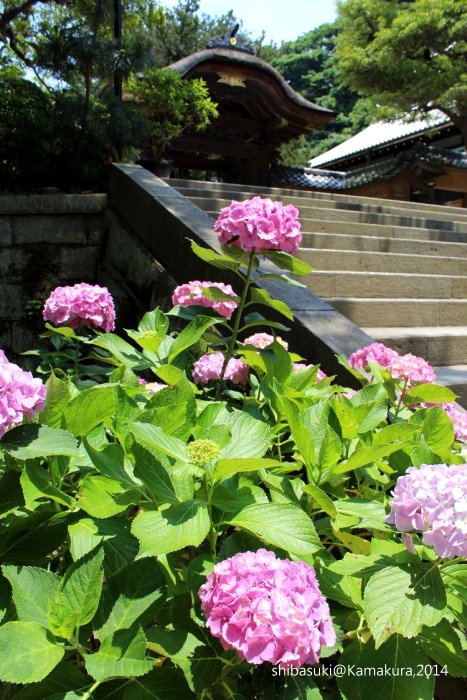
(262, 340)
(81, 305)
(191, 294)
(259, 224)
(151, 387)
(458, 418)
(21, 394)
(376, 352)
(412, 368)
(432, 499)
(267, 609)
(209, 367)
(297, 366)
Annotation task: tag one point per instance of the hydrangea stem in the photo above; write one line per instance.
(236, 326)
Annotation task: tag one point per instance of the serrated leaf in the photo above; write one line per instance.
(443, 645)
(120, 547)
(33, 590)
(213, 258)
(31, 539)
(28, 652)
(76, 601)
(261, 296)
(227, 467)
(414, 596)
(102, 497)
(172, 529)
(152, 436)
(322, 498)
(431, 393)
(31, 441)
(59, 393)
(122, 654)
(128, 596)
(282, 525)
(250, 436)
(121, 351)
(36, 483)
(160, 684)
(199, 662)
(191, 334)
(288, 262)
(90, 408)
(65, 682)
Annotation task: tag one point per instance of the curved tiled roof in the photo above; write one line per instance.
(381, 133)
(320, 179)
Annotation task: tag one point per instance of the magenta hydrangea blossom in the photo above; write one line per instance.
(259, 224)
(432, 500)
(297, 366)
(262, 340)
(267, 609)
(191, 294)
(209, 367)
(21, 394)
(376, 352)
(411, 369)
(81, 305)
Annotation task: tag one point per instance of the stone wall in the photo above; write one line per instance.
(51, 240)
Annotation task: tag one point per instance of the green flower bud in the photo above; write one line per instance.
(203, 451)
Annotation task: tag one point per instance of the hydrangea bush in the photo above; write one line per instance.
(205, 514)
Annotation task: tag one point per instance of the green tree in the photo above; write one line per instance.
(309, 66)
(407, 56)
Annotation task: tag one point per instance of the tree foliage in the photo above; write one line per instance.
(309, 65)
(407, 56)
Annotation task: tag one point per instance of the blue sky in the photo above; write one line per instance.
(282, 20)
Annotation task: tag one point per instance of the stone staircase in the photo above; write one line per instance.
(396, 269)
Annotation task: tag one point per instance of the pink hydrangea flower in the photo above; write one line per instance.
(259, 224)
(376, 352)
(267, 609)
(209, 368)
(191, 294)
(21, 394)
(81, 305)
(152, 387)
(458, 418)
(412, 368)
(433, 500)
(297, 366)
(262, 340)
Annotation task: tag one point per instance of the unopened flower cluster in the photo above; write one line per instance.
(192, 294)
(203, 451)
(81, 305)
(21, 394)
(410, 368)
(432, 500)
(209, 367)
(267, 609)
(259, 224)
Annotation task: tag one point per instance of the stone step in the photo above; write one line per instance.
(376, 312)
(355, 260)
(420, 234)
(341, 241)
(382, 285)
(445, 345)
(233, 190)
(311, 212)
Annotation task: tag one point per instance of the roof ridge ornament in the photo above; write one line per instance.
(229, 41)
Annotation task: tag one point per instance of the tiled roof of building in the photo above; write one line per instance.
(380, 134)
(319, 179)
